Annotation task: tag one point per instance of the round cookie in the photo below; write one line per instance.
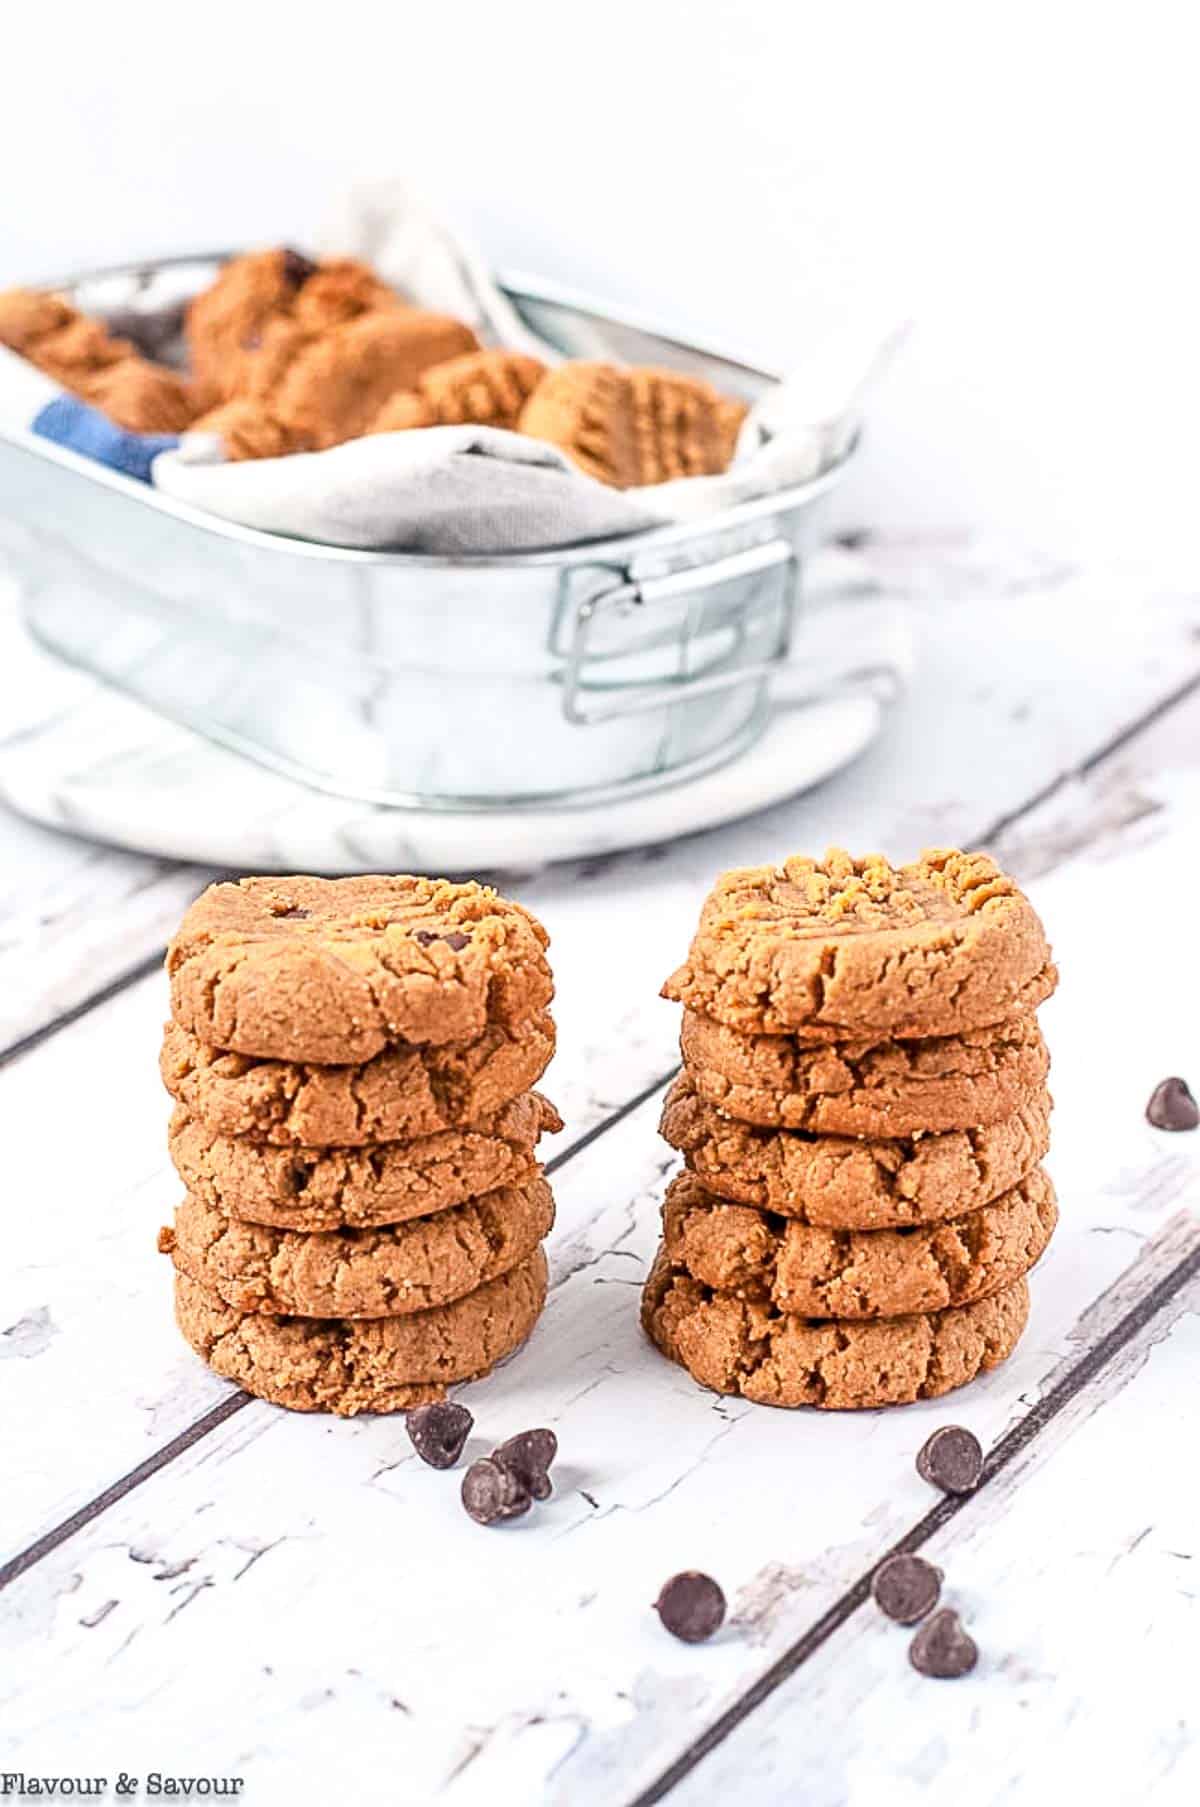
(403, 1092)
(839, 948)
(857, 1274)
(361, 1273)
(866, 1088)
(735, 1346)
(317, 1189)
(333, 970)
(848, 1183)
(363, 1365)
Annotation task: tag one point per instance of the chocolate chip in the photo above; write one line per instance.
(1172, 1106)
(942, 1648)
(691, 1606)
(529, 1455)
(457, 941)
(424, 936)
(297, 268)
(491, 1492)
(951, 1459)
(906, 1588)
(295, 914)
(439, 1431)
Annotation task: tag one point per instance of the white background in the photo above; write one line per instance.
(1019, 179)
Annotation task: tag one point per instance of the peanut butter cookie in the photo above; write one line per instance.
(850, 1274)
(739, 1346)
(248, 429)
(866, 1087)
(141, 397)
(360, 1273)
(363, 1365)
(849, 1183)
(333, 970)
(333, 1188)
(28, 316)
(484, 388)
(335, 387)
(841, 948)
(402, 1093)
(225, 323)
(628, 427)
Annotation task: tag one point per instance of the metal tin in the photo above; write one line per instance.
(572, 676)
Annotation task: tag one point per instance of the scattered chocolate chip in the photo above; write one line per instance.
(457, 941)
(942, 1648)
(439, 1432)
(691, 1606)
(1172, 1106)
(295, 914)
(424, 936)
(491, 1492)
(906, 1588)
(529, 1455)
(951, 1459)
(297, 268)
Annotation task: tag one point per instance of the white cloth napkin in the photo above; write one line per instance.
(472, 490)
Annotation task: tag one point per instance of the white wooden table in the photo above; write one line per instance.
(202, 1585)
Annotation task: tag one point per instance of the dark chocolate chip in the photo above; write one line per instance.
(491, 1492)
(529, 1455)
(424, 936)
(906, 1588)
(942, 1648)
(691, 1606)
(295, 914)
(1172, 1106)
(457, 941)
(297, 268)
(439, 1431)
(951, 1459)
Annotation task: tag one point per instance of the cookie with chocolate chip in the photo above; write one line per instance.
(363, 1364)
(335, 970)
(747, 1347)
(868, 1086)
(841, 948)
(854, 1182)
(857, 1274)
(317, 1189)
(380, 1273)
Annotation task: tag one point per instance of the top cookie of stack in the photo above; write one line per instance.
(862, 1112)
(351, 1061)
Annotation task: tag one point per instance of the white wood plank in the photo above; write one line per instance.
(284, 1583)
(1075, 1571)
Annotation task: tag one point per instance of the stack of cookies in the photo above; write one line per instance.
(863, 1113)
(352, 1063)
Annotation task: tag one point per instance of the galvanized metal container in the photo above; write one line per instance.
(573, 676)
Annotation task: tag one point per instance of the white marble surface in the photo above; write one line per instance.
(223, 1589)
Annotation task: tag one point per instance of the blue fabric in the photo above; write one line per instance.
(70, 422)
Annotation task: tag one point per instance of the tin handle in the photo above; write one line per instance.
(650, 592)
